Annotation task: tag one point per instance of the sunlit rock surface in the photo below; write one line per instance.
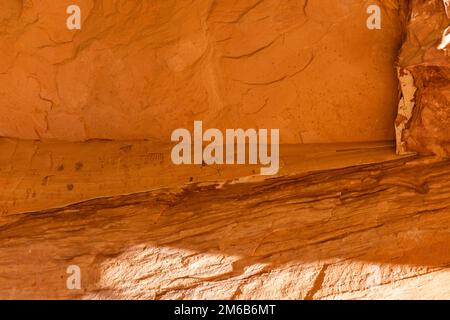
(140, 69)
(372, 225)
(340, 221)
(343, 221)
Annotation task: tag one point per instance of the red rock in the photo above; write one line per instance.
(340, 221)
(424, 70)
(141, 69)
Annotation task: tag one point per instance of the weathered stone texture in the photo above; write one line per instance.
(339, 221)
(375, 230)
(424, 69)
(140, 69)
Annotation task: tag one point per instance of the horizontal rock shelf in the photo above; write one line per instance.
(375, 228)
(92, 204)
(141, 69)
(424, 71)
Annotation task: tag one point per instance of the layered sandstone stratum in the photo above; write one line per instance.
(341, 220)
(424, 71)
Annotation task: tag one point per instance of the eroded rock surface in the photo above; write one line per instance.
(424, 70)
(140, 69)
(354, 221)
(375, 230)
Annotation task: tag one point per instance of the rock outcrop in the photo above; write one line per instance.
(353, 220)
(140, 69)
(373, 228)
(424, 71)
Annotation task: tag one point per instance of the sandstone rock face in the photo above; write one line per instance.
(140, 69)
(424, 72)
(376, 229)
(347, 220)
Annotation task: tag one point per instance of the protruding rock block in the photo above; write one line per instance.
(423, 121)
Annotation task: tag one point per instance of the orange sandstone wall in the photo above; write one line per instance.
(140, 69)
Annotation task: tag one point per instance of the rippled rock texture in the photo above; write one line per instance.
(140, 69)
(339, 221)
(424, 71)
(374, 227)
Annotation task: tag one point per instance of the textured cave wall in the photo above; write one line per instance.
(140, 69)
(378, 230)
(424, 70)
